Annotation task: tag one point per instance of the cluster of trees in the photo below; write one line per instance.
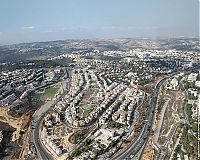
(113, 124)
(77, 136)
(35, 64)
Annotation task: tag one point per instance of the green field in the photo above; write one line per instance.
(85, 110)
(49, 93)
(36, 96)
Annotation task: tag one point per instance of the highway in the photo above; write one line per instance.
(136, 145)
(41, 152)
(37, 122)
(142, 139)
(153, 106)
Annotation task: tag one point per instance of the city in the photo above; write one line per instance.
(103, 105)
(99, 80)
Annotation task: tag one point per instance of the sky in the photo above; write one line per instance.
(45, 20)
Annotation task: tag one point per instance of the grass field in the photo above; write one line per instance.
(49, 93)
(84, 111)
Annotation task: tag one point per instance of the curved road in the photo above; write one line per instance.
(36, 125)
(41, 152)
(37, 122)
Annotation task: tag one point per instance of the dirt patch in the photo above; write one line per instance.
(149, 151)
(2, 118)
(6, 147)
(17, 110)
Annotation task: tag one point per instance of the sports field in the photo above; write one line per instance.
(48, 94)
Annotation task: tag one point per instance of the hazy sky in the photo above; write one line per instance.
(42, 20)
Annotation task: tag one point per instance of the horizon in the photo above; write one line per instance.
(101, 39)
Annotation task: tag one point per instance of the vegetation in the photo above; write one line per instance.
(85, 110)
(189, 85)
(189, 110)
(49, 93)
(36, 96)
(194, 127)
(189, 143)
(113, 124)
(35, 64)
(77, 136)
(192, 97)
(84, 147)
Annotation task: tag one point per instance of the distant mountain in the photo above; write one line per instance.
(43, 50)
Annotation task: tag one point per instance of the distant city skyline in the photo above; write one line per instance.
(29, 21)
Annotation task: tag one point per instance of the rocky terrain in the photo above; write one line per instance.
(6, 145)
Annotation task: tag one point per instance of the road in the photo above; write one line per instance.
(148, 125)
(139, 143)
(41, 151)
(141, 140)
(36, 125)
